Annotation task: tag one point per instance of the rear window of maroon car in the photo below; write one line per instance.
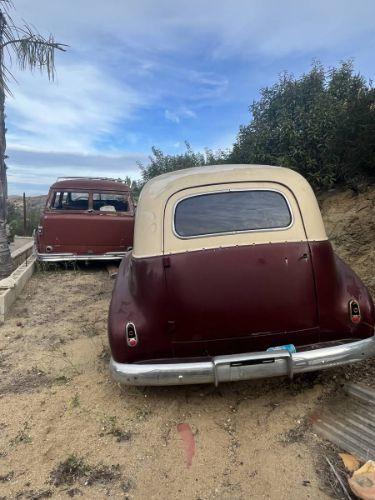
(81, 201)
(70, 201)
(230, 212)
(110, 202)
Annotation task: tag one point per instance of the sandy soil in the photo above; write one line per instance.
(66, 429)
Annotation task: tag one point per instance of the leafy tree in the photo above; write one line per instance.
(135, 186)
(321, 124)
(15, 220)
(31, 51)
(161, 163)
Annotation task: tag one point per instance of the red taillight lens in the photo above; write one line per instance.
(354, 312)
(131, 335)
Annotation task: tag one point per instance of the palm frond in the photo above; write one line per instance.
(25, 46)
(7, 5)
(32, 50)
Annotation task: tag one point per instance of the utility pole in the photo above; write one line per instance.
(24, 215)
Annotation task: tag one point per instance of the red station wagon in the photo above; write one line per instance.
(86, 219)
(232, 277)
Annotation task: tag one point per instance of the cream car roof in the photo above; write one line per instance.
(159, 195)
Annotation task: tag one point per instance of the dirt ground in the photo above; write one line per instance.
(66, 429)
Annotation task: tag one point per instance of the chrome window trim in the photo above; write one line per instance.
(207, 235)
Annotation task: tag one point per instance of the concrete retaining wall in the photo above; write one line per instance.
(11, 287)
(21, 254)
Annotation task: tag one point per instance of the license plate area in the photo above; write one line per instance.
(249, 362)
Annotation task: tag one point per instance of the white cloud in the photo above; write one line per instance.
(34, 171)
(177, 115)
(171, 116)
(71, 114)
(257, 27)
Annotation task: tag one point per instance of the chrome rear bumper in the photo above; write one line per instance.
(70, 257)
(242, 366)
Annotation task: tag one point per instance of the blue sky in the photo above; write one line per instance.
(140, 73)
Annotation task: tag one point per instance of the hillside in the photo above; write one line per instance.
(350, 223)
(34, 207)
(33, 202)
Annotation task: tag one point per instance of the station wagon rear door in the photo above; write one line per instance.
(237, 266)
(88, 223)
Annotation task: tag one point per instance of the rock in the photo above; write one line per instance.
(350, 461)
(362, 483)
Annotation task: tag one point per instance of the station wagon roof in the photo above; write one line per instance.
(90, 184)
(148, 237)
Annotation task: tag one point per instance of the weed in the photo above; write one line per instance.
(143, 413)
(75, 402)
(74, 492)
(104, 355)
(296, 434)
(37, 371)
(7, 477)
(127, 485)
(111, 427)
(75, 469)
(90, 329)
(61, 379)
(34, 495)
(69, 471)
(23, 436)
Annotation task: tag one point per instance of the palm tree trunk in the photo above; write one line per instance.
(6, 263)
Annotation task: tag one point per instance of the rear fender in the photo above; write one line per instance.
(336, 284)
(139, 297)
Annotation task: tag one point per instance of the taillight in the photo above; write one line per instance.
(354, 312)
(40, 229)
(131, 335)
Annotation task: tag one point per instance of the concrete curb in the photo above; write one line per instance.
(11, 287)
(22, 253)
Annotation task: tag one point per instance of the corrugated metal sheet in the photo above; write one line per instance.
(349, 421)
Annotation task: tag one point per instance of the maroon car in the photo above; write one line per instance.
(86, 219)
(232, 277)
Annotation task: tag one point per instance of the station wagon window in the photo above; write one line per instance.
(110, 202)
(70, 200)
(229, 212)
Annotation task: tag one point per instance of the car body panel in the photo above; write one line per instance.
(241, 291)
(140, 295)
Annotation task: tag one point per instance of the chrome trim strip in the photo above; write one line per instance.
(70, 257)
(242, 366)
(230, 190)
